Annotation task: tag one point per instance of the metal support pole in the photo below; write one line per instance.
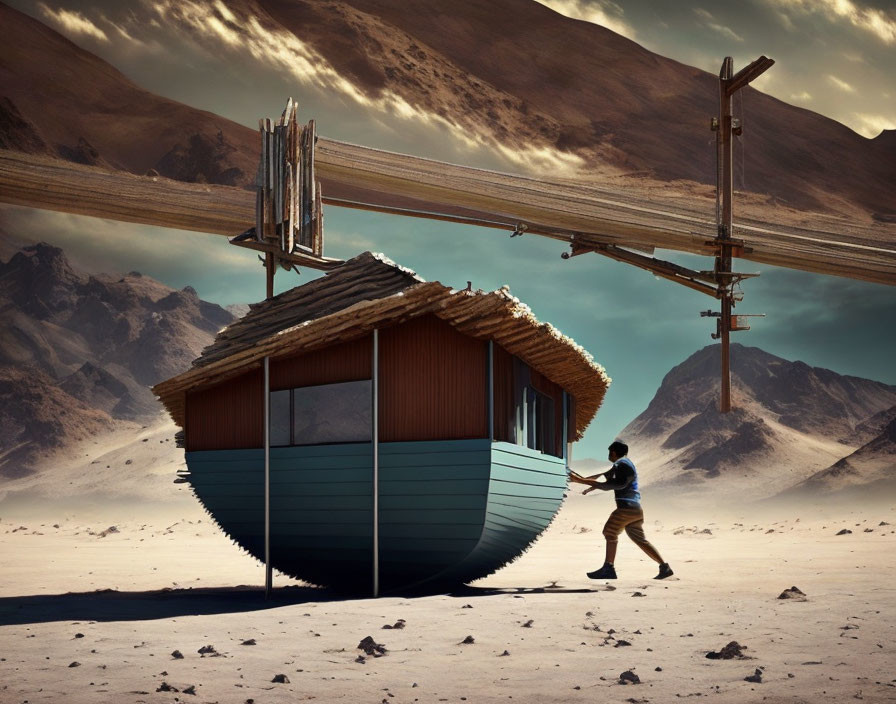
(268, 573)
(376, 464)
(566, 429)
(491, 390)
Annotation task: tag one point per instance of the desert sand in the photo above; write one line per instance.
(95, 599)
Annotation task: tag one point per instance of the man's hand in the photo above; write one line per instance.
(592, 485)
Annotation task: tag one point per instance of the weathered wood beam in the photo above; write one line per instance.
(555, 209)
(298, 258)
(53, 184)
(670, 271)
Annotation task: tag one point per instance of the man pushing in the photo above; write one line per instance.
(622, 478)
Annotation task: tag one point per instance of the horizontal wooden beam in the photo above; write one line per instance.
(53, 184)
(562, 210)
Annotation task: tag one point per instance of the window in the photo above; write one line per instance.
(540, 421)
(533, 413)
(319, 415)
(537, 414)
(280, 418)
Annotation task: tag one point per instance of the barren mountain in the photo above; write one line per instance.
(583, 89)
(536, 79)
(60, 100)
(78, 352)
(37, 416)
(871, 468)
(789, 421)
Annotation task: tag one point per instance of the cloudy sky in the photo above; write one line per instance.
(836, 57)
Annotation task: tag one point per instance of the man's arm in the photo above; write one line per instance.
(598, 475)
(593, 484)
(622, 479)
(576, 477)
(624, 476)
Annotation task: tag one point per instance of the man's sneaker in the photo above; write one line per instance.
(605, 572)
(665, 571)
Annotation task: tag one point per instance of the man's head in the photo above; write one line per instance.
(617, 450)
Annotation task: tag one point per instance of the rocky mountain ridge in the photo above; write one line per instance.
(867, 471)
(789, 422)
(79, 352)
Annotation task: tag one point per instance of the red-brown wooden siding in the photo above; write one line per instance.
(350, 361)
(230, 415)
(433, 386)
(432, 383)
(227, 416)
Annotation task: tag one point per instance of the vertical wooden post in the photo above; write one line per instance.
(268, 571)
(729, 84)
(723, 260)
(376, 464)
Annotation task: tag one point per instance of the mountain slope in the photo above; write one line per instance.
(78, 352)
(533, 80)
(62, 100)
(583, 88)
(37, 416)
(789, 421)
(871, 468)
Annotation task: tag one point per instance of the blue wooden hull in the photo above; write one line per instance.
(449, 511)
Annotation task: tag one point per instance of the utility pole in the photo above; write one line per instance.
(726, 125)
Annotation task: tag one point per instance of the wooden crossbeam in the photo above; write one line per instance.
(297, 258)
(696, 280)
(560, 210)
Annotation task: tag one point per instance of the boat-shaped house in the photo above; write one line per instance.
(417, 432)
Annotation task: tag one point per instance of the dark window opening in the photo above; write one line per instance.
(526, 414)
(539, 421)
(321, 415)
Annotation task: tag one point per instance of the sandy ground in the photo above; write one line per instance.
(92, 615)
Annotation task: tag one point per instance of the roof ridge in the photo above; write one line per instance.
(368, 276)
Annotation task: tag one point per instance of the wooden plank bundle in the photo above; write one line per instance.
(288, 201)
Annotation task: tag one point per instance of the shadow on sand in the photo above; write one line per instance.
(112, 605)
(467, 591)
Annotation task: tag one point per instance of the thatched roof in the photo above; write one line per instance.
(367, 277)
(369, 292)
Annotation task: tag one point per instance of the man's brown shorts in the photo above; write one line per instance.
(631, 520)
